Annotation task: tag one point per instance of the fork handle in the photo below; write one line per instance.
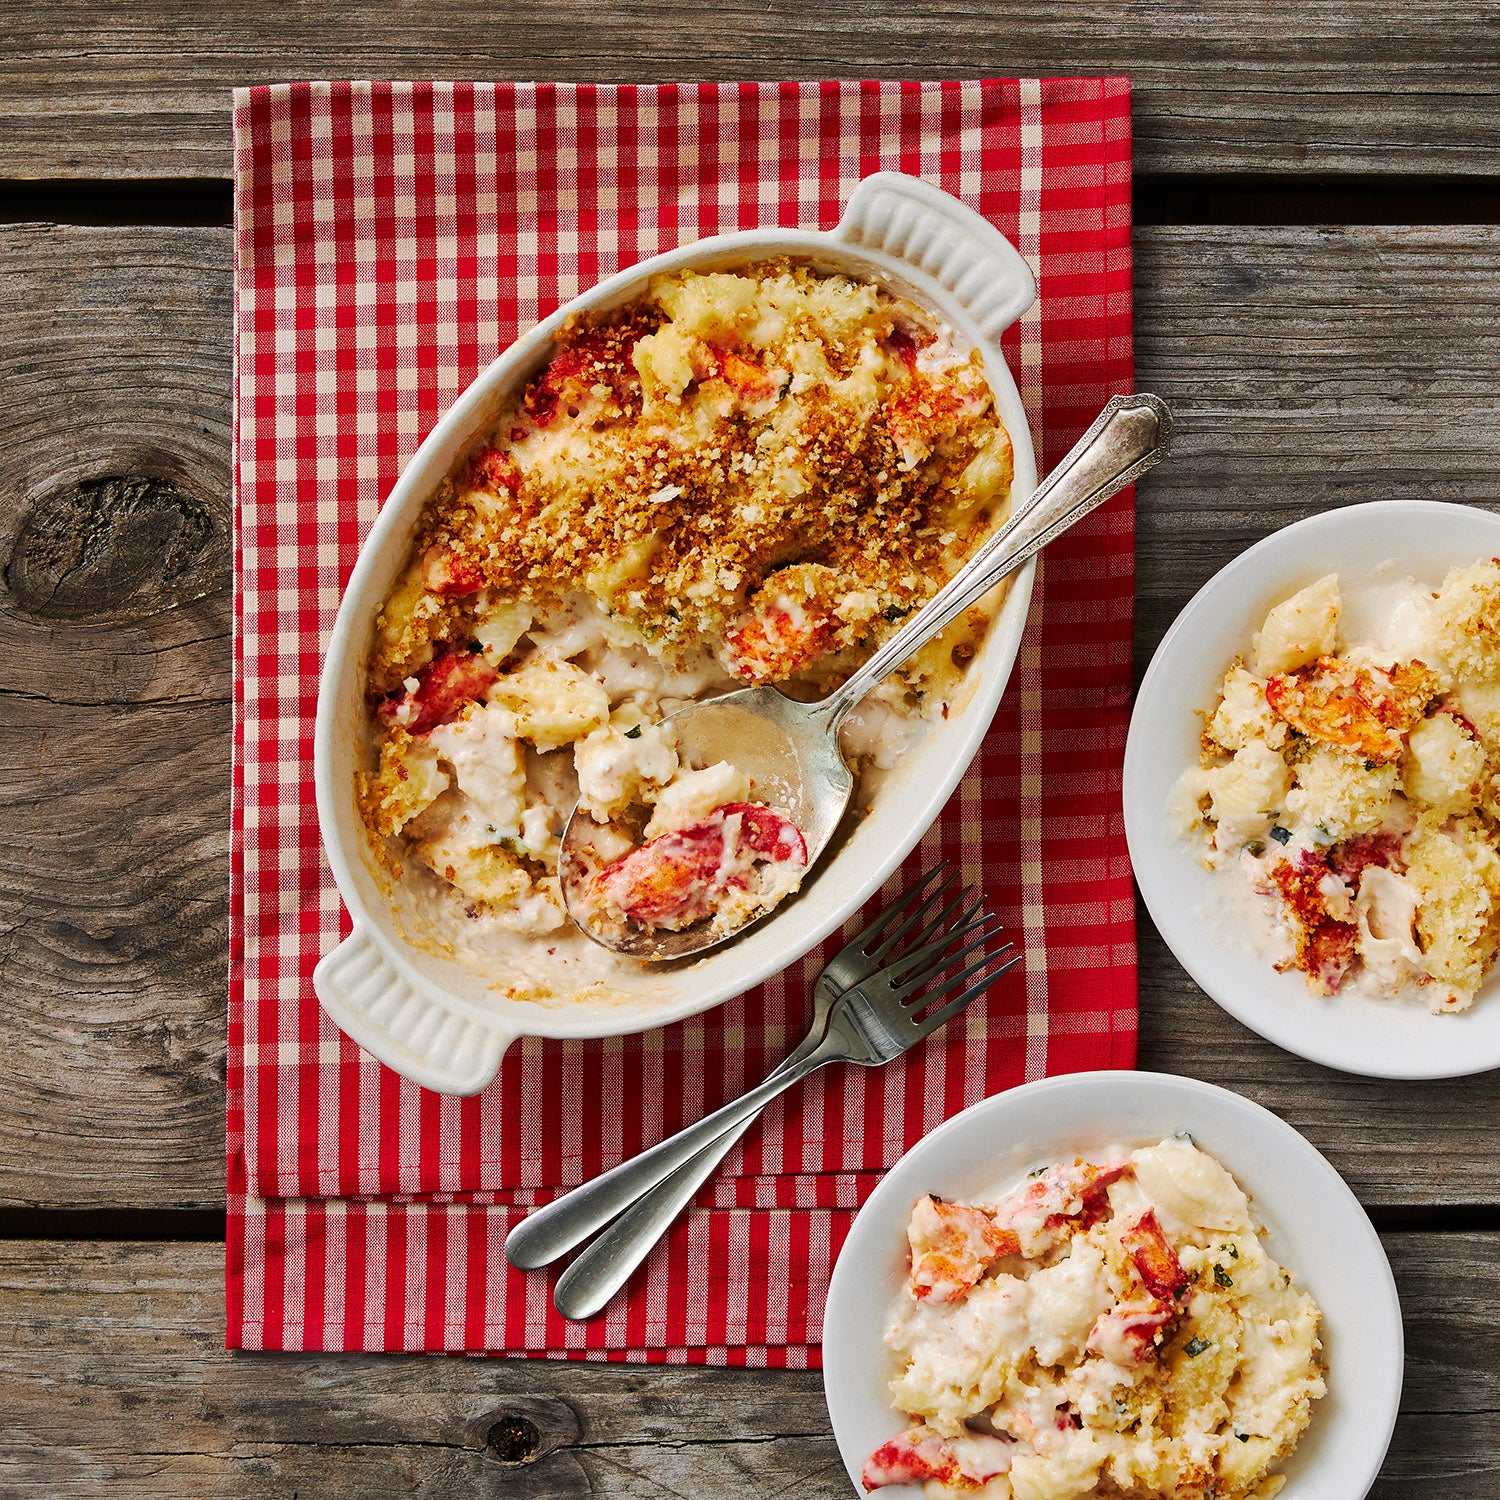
(607, 1264)
(558, 1226)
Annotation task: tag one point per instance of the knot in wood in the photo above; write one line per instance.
(514, 1439)
(124, 548)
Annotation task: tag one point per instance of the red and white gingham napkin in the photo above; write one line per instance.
(391, 240)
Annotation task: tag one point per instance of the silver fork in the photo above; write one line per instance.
(869, 1024)
(882, 1012)
(556, 1228)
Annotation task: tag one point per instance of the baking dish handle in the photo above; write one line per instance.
(402, 1026)
(933, 232)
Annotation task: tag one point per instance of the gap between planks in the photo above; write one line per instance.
(1161, 198)
(206, 1226)
(1217, 85)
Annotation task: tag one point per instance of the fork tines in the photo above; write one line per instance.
(929, 1021)
(946, 923)
(924, 889)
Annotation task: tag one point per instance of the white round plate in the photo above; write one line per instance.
(1314, 1227)
(1354, 1032)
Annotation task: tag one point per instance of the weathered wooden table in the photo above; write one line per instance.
(1318, 293)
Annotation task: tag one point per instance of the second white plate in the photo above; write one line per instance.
(1350, 1031)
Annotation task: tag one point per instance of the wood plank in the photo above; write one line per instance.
(113, 1378)
(1308, 368)
(1311, 369)
(114, 714)
(1221, 86)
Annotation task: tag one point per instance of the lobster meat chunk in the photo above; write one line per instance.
(951, 1244)
(1364, 710)
(919, 1454)
(1323, 925)
(495, 471)
(444, 687)
(589, 361)
(445, 572)
(1155, 1260)
(1380, 850)
(740, 860)
(1131, 1335)
(742, 375)
(789, 622)
(1058, 1203)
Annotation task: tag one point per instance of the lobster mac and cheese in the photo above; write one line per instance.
(1350, 780)
(1110, 1328)
(737, 478)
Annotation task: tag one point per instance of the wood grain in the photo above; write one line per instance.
(1278, 86)
(113, 1380)
(1307, 367)
(114, 714)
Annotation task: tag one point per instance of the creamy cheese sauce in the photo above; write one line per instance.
(527, 795)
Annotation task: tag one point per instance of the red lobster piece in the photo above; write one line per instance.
(495, 471)
(444, 688)
(1155, 1259)
(741, 374)
(445, 572)
(919, 1454)
(1324, 943)
(684, 876)
(1131, 1335)
(951, 1244)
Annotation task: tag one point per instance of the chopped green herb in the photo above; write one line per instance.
(1370, 765)
(1255, 849)
(633, 734)
(1194, 1347)
(1281, 835)
(1234, 1252)
(1244, 1437)
(894, 612)
(1183, 1135)
(786, 385)
(1222, 1277)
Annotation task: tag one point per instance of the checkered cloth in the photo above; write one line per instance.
(391, 240)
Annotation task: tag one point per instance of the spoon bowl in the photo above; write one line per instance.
(792, 765)
(790, 750)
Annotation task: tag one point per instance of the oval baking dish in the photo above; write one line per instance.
(428, 1015)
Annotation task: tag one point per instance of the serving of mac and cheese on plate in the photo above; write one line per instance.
(1110, 1326)
(1309, 788)
(1350, 777)
(1119, 1284)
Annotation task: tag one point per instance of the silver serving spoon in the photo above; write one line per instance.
(790, 750)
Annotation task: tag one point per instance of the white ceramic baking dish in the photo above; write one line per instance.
(437, 1021)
